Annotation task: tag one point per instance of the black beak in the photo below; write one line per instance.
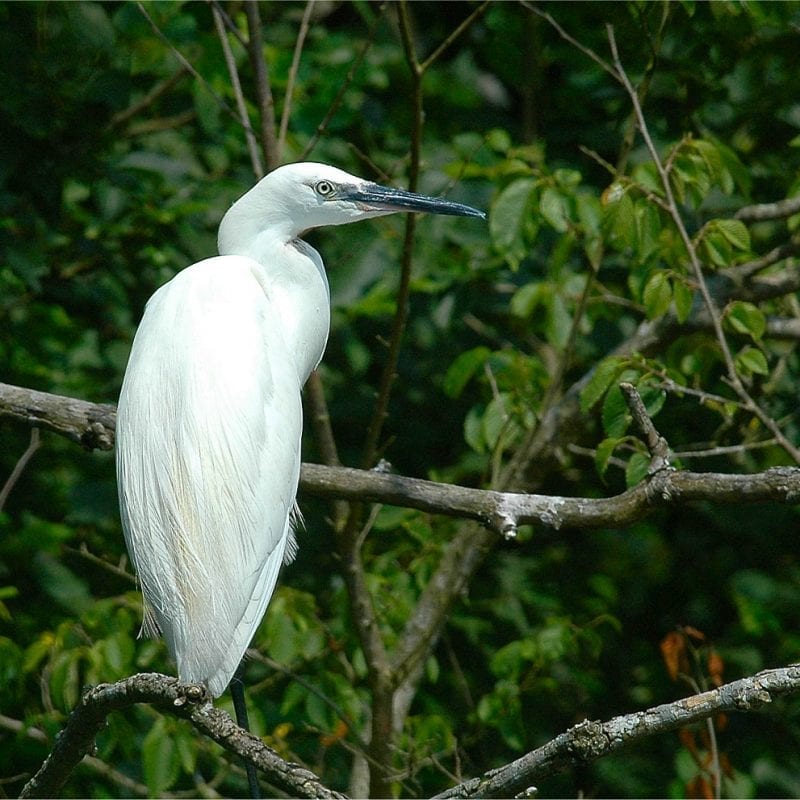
(384, 198)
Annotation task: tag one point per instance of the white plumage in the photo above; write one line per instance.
(210, 418)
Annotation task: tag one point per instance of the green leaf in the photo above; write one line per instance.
(553, 207)
(160, 759)
(747, 318)
(657, 295)
(604, 374)
(462, 369)
(603, 454)
(717, 248)
(526, 299)
(559, 321)
(495, 420)
(648, 228)
(636, 470)
(473, 430)
(510, 220)
(620, 221)
(735, 231)
(683, 297)
(653, 396)
(616, 416)
(751, 361)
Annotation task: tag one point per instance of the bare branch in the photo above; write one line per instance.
(697, 269)
(780, 210)
(89, 424)
(351, 73)
(233, 73)
(499, 512)
(121, 117)
(588, 741)
(740, 272)
(266, 105)
(587, 51)
(19, 467)
(389, 373)
(183, 61)
(453, 36)
(287, 100)
(656, 444)
(188, 701)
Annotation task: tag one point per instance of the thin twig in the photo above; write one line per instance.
(590, 740)
(288, 96)
(389, 373)
(233, 73)
(186, 64)
(121, 117)
(587, 51)
(697, 270)
(256, 655)
(114, 569)
(656, 443)
(740, 272)
(266, 104)
(345, 85)
(454, 35)
(19, 467)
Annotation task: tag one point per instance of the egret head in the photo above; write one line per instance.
(297, 197)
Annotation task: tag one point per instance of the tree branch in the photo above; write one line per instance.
(91, 425)
(697, 270)
(345, 85)
(266, 105)
(500, 512)
(288, 96)
(19, 467)
(236, 85)
(188, 701)
(765, 211)
(588, 741)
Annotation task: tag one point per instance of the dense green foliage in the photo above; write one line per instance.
(104, 197)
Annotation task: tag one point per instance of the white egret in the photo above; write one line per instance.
(209, 417)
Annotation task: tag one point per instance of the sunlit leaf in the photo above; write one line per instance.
(747, 318)
(657, 295)
(751, 361)
(511, 218)
(602, 377)
(553, 207)
(462, 369)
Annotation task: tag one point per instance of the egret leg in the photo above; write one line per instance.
(242, 720)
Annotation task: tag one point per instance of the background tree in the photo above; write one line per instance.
(640, 167)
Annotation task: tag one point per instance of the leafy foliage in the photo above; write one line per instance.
(116, 165)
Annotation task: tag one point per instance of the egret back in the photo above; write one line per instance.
(208, 457)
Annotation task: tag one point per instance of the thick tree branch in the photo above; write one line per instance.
(501, 512)
(188, 701)
(579, 745)
(780, 210)
(588, 741)
(89, 424)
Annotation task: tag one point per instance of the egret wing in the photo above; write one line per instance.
(208, 459)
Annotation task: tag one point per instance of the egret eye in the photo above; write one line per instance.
(324, 188)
